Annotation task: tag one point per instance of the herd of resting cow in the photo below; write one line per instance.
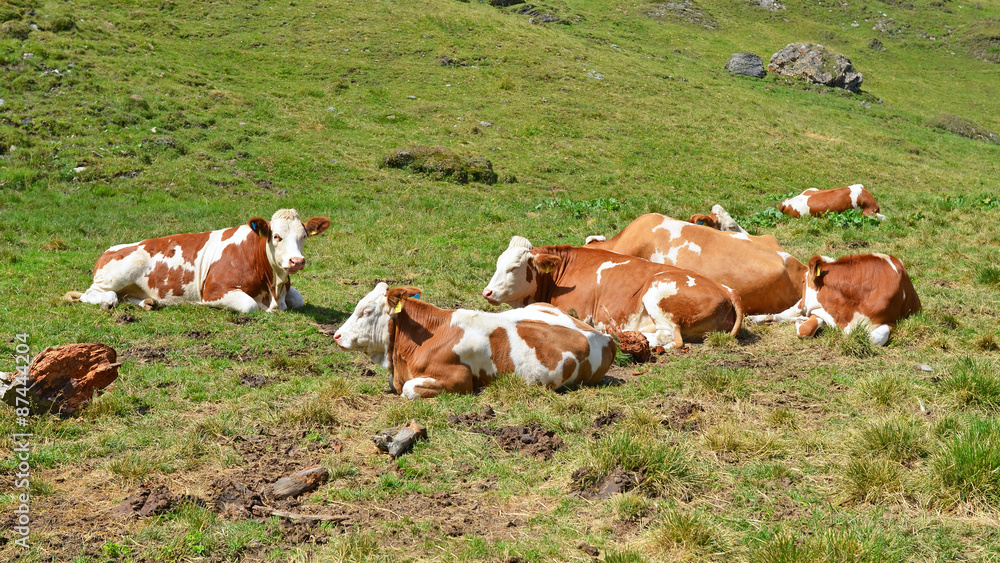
(660, 281)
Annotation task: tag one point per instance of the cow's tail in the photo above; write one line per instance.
(738, 306)
(72, 296)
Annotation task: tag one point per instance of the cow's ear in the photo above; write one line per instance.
(260, 226)
(317, 225)
(816, 271)
(396, 296)
(545, 263)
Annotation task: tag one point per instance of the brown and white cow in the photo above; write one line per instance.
(766, 277)
(862, 288)
(243, 268)
(430, 350)
(817, 202)
(667, 305)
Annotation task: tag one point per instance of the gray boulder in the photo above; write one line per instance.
(747, 64)
(816, 64)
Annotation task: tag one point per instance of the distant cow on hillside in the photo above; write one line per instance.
(817, 202)
(863, 288)
(668, 305)
(431, 350)
(241, 268)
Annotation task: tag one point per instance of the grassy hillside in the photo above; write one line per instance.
(128, 120)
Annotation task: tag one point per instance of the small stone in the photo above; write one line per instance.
(485, 123)
(412, 97)
(79, 169)
(924, 367)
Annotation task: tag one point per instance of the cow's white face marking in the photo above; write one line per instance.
(368, 327)
(284, 247)
(855, 193)
(510, 281)
(691, 281)
(672, 226)
(607, 265)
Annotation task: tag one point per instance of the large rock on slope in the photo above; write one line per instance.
(816, 64)
(747, 64)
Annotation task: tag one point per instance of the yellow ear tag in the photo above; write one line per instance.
(312, 233)
(399, 307)
(817, 271)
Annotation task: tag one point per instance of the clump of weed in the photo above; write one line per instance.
(988, 275)
(968, 464)
(886, 389)
(683, 530)
(866, 545)
(728, 383)
(871, 479)
(982, 39)
(964, 127)
(15, 29)
(900, 439)
(852, 219)
(785, 548)
(442, 163)
(720, 340)
(664, 469)
(630, 507)
(764, 219)
(735, 443)
(974, 383)
(987, 343)
(54, 245)
(627, 556)
(61, 24)
(856, 343)
(783, 417)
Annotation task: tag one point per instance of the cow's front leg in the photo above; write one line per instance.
(793, 313)
(293, 299)
(807, 328)
(148, 303)
(444, 381)
(237, 300)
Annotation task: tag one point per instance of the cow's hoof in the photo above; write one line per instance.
(107, 306)
(148, 304)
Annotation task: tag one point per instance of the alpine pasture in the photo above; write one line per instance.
(122, 121)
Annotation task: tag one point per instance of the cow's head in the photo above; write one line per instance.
(367, 329)
(285, 234)
(710, 221)
(516, 278)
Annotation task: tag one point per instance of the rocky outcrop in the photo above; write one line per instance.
(816, 64)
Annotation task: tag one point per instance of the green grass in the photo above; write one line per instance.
(124, 121)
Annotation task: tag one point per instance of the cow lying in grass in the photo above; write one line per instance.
(817, 202)
(242, 268)
(863, 289)
(430, 350)
(667, 305)
(766, 277)
(718, 219)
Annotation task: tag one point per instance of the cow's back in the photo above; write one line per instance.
(767, 279)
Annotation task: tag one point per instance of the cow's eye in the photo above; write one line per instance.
(365, 313)
(277, 238)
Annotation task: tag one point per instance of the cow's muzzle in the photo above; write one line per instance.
(295, 264)
(488, 295)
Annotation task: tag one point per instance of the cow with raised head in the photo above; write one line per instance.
(862, 289)
(430, 350)
(766, 277)
(245, 268)
(817, 202)
(667, 305)
(718, 219)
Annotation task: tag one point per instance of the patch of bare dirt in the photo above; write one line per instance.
(684, 415)
(254, 379)
(530, 440)
(470, 418)
(143, 355)
(126, 318)
(586, 483)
